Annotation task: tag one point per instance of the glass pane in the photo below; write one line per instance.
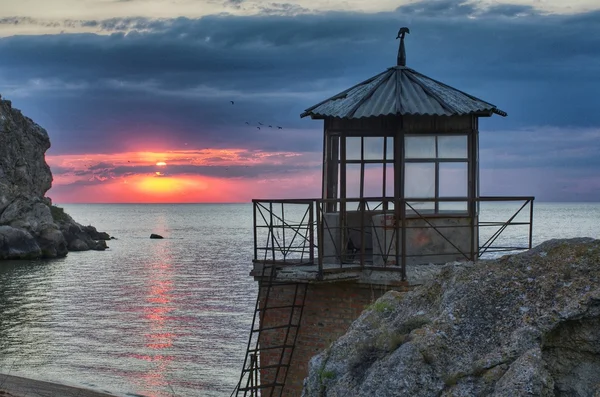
(419, 147)
(338, 187)
(419, 180)
(455, 207)
(352, 180)
(452, 147)
(352, 148)
(373, 180)
(391, 206)
(454, 180)
(374, 206)
(389, 180)
(422, 207)
(373, 148)
(389, 150)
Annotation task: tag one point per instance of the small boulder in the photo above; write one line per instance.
(156, 236)
(52, 243)
(95, 234)
(78, 245)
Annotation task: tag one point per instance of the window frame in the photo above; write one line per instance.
(384, 161)
(467, 160)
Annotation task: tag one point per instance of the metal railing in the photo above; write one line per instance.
(385, 233)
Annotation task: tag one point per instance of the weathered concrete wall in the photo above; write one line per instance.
(446, 241)
(451, 237)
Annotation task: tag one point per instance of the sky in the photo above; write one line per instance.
(136, 94)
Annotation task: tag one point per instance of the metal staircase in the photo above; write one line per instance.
(275, 341)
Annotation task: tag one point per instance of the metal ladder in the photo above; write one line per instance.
(281, 346)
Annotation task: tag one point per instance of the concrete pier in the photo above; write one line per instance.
(16, 386)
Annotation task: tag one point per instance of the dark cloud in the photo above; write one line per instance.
(123, 25)
(507, 10)
(233, 3)
(541, 147)
(445, 9)
(101, 166)
(438, 9)
(170, 82)
(95, 175)
(282, 9)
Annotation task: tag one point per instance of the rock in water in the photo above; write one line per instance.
(522, 325)
(30, 226)
(156, 236)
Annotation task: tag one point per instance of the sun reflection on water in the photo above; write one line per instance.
(159, 302)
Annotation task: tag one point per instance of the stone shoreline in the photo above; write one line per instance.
(16, 386)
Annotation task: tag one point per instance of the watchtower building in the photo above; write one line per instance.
(400, 197)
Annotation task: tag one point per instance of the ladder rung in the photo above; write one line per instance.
(281, 307)
(276, 327)
(272, 366)
(261, 386)
(282, 283)
(271, 348)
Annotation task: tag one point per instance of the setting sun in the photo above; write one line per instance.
(161, 163)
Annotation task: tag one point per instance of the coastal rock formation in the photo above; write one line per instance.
(30, 226)
(521, 325)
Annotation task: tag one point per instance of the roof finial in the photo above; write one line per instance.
(401, 51)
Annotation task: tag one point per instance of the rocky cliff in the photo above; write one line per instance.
(30, 226)
(522, 325)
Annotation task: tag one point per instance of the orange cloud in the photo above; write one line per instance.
(137, 177)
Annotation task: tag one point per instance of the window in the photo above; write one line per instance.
(436, 173)
(372, 159)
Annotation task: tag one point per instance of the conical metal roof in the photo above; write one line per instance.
(401, 91)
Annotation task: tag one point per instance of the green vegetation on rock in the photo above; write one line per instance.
(58, 214)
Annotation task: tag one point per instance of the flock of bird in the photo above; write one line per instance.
(259, 123)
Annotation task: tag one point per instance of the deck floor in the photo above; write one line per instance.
(416, 274)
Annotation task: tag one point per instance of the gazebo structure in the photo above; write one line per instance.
(400, 196)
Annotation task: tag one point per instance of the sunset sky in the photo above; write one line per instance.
(135, 94)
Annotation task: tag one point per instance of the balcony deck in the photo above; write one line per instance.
(416, 274)
(377, 243)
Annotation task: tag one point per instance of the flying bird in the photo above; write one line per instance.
(270, 126)
(247, 123)
(260, 123)
(232, 102)
(258, 128)
(279, 127)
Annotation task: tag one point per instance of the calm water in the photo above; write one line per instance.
(164, 317)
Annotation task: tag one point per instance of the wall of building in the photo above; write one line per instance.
(329, 309)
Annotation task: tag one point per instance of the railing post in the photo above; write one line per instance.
(474, 229)
(403, 231)
(342, 231)
(283, 227)
(255, 227)
(320, 237)
(363, 204)
(530, 223)
(272, 230)
(311, 233)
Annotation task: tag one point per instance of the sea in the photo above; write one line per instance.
(170, 317)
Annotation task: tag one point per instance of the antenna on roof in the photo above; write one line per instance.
(401, 51)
